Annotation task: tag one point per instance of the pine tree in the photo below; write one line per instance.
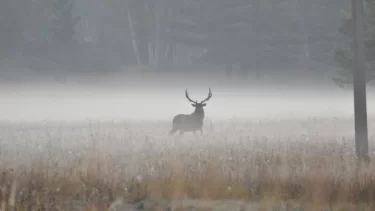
(253, 33)
(344, 56)
(63, 21)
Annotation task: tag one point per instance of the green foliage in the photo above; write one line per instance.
(13, 17)
(63, 21)
(256, 31)
(344, 57)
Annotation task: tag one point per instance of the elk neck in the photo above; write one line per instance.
(199, 112)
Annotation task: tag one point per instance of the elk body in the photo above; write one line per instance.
(190, 122)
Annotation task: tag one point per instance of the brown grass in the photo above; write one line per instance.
(88, 167)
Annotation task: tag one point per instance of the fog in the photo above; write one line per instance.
(132, 60)
(89, 90)
(107, 100)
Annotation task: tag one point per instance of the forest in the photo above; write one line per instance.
(170, 34)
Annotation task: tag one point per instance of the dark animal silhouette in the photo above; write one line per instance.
(190, 122)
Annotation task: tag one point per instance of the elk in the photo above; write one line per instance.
(190, 122)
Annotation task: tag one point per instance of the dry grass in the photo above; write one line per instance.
(58, 166)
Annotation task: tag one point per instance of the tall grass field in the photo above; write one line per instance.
(236, 164)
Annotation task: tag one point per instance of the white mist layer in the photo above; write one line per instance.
(76, 104)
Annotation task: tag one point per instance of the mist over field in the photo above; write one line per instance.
(263, 138)
(161, 99)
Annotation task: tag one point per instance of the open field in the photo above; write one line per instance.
(284, 143)
(66, 166)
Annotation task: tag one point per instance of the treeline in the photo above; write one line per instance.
(344, 54)
(39, 24)
(253, 34)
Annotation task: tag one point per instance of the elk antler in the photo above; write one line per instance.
(209, 96)
(187, 96)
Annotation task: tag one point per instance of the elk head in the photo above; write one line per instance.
(199, 106)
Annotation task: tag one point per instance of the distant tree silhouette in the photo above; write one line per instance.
(344, 56)
(62, 21)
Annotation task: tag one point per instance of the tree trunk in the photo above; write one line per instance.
(360, 110)
(228, 69)
(158, 31)
(134, 36)
(151, 52)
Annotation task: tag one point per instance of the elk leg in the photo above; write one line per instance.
(172, 131)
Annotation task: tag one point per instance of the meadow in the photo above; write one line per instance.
(291, 146)
(240, 163)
